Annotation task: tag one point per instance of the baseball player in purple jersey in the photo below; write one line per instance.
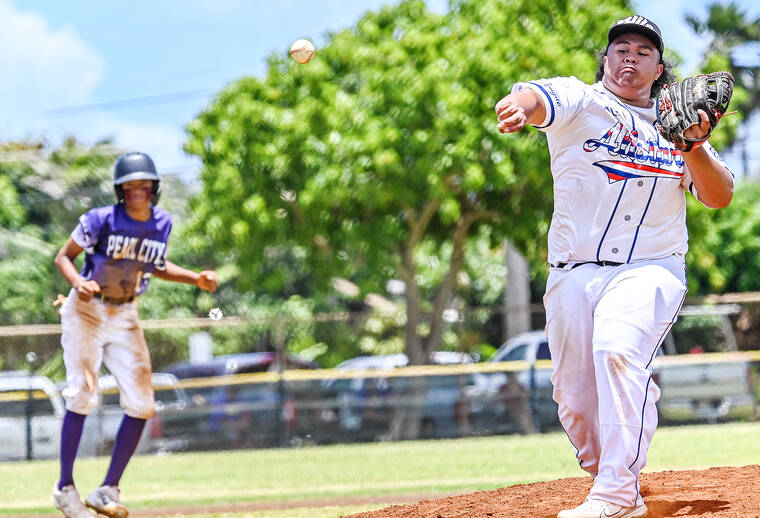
(617, 243)
(124, 245)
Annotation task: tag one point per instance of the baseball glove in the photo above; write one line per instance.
(677, 106)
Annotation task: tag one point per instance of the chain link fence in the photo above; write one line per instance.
(210, 396)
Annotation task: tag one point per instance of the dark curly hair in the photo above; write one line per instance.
(667, 76)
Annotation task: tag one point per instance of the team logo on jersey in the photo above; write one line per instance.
(617, 170)
(634, 157)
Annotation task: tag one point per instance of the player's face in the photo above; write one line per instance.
(137, 193)
(631, 65)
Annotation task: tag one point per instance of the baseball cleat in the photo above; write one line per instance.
(595, 508)
(70, 504)
(106, 500)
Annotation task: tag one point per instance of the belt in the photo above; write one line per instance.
(575, 265)
(114, 301)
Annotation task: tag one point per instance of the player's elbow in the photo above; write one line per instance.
(60, 257)
(723, 203)
(720, 200)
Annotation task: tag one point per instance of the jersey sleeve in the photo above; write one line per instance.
(691, 187)
(563, 98)
(160, 263)
(87, 230)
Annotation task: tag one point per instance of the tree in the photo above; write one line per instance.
(44, 192)
(730, 29)
(385, 146)
(714, 262)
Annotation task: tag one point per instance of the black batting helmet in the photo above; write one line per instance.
(135, 166)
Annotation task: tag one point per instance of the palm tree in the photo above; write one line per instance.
(734, 34)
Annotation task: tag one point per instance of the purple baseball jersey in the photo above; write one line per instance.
(121, 252)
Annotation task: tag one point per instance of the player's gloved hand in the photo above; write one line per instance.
(207, 280)
(700, 130)
(682, 107)
(86, 289)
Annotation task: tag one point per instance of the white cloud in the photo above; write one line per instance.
(46, 68)
(43, 67)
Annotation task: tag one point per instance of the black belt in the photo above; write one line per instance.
(115, 301)
(598, 263)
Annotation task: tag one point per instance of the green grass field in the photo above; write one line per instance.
(377, 470)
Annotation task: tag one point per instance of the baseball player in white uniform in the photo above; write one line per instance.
(617, 243)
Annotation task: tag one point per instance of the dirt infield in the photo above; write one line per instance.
(715, 492)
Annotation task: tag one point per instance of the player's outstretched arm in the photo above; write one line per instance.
(205, 280)
(64, 261)
(519, 108)
(713, 181)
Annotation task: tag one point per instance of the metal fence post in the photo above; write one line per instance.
(31, 357)
(534, 399)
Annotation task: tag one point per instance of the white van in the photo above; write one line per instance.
(43, 411)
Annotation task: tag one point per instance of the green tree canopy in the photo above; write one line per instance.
(385, 144)
(43, 193)
(721, 242)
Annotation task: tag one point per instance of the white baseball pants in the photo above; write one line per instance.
(604, 325)
(96, 333)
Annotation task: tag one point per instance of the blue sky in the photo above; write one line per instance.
(139, 71)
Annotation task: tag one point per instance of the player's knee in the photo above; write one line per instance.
(141, 410)
(80, 400)
(608, 357)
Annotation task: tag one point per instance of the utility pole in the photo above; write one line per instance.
(517, 293)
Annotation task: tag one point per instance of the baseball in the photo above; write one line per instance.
(215, 314)
(302, 51)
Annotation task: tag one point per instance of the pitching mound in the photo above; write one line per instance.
(724, 492)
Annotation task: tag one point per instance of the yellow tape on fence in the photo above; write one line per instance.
(410, 371)
(442, 370)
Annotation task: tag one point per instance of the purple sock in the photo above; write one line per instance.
(126, 442)
(71, 433)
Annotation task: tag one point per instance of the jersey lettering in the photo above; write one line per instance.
(126, 247)
(624, 143)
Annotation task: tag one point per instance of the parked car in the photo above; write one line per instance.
(705, 389)
(230, 411)
(519, 399)
(239, 363)
(369, 406)
(102, 424)
(45, 409)
(694, 388)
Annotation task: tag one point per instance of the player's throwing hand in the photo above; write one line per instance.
(511, 115)
(521, 107)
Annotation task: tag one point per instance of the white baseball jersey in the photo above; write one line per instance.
(617, 194)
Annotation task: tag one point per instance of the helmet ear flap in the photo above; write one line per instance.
(119, 191)
(156, 192)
